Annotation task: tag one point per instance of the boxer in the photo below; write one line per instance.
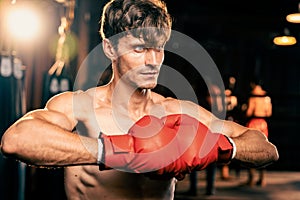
(141, 141)
(258, 111)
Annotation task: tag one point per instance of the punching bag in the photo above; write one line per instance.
(12, 107)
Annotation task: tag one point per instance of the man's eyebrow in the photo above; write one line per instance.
(141, 42)
(135, 43)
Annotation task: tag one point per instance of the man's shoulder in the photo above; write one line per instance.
(60, 98)
(160, 99)
(176, 106)
(86, 94)
(66, 98)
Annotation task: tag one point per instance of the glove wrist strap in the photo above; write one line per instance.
(100, 151)
(233, 147)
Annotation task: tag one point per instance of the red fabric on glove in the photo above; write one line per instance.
(168, 147)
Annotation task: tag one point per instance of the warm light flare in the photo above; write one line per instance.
(23, 23)
(285, 40)
(293, 18)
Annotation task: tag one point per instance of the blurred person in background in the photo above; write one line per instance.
(258, 111)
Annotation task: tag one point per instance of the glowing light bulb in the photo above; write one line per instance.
(23, 23)
(293, 18)
(284, 40)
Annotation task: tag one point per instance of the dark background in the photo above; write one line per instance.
(237, 35)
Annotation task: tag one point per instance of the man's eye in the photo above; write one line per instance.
(139, 48)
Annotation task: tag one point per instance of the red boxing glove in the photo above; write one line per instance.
(168, 147)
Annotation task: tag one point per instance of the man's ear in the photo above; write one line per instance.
(108, 49)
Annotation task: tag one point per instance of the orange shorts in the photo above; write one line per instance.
(260, 124)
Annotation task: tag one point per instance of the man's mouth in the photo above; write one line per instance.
(149, 73)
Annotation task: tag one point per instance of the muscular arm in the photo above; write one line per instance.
(44, 137)
(252, 147)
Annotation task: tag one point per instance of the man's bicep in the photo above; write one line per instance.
(58, 111)
(56, 118)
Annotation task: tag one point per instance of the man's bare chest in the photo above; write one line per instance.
(105, 120)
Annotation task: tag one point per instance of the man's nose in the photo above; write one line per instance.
(153, 56)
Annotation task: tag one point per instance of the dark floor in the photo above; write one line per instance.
(281, 185)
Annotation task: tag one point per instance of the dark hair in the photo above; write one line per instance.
(121, 16)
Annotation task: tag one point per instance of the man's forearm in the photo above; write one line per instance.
(254, 150)
(40, 143)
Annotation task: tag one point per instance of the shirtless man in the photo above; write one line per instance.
(47, 137)
(259, 104)
(259, 109)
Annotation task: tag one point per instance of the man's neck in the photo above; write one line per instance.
(132, 101)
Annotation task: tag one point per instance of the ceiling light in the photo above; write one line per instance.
(285, 40)
(23, 23)
(294, 17)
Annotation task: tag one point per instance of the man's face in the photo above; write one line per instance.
(138, 63)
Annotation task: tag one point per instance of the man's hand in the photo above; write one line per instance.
(168, 147)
